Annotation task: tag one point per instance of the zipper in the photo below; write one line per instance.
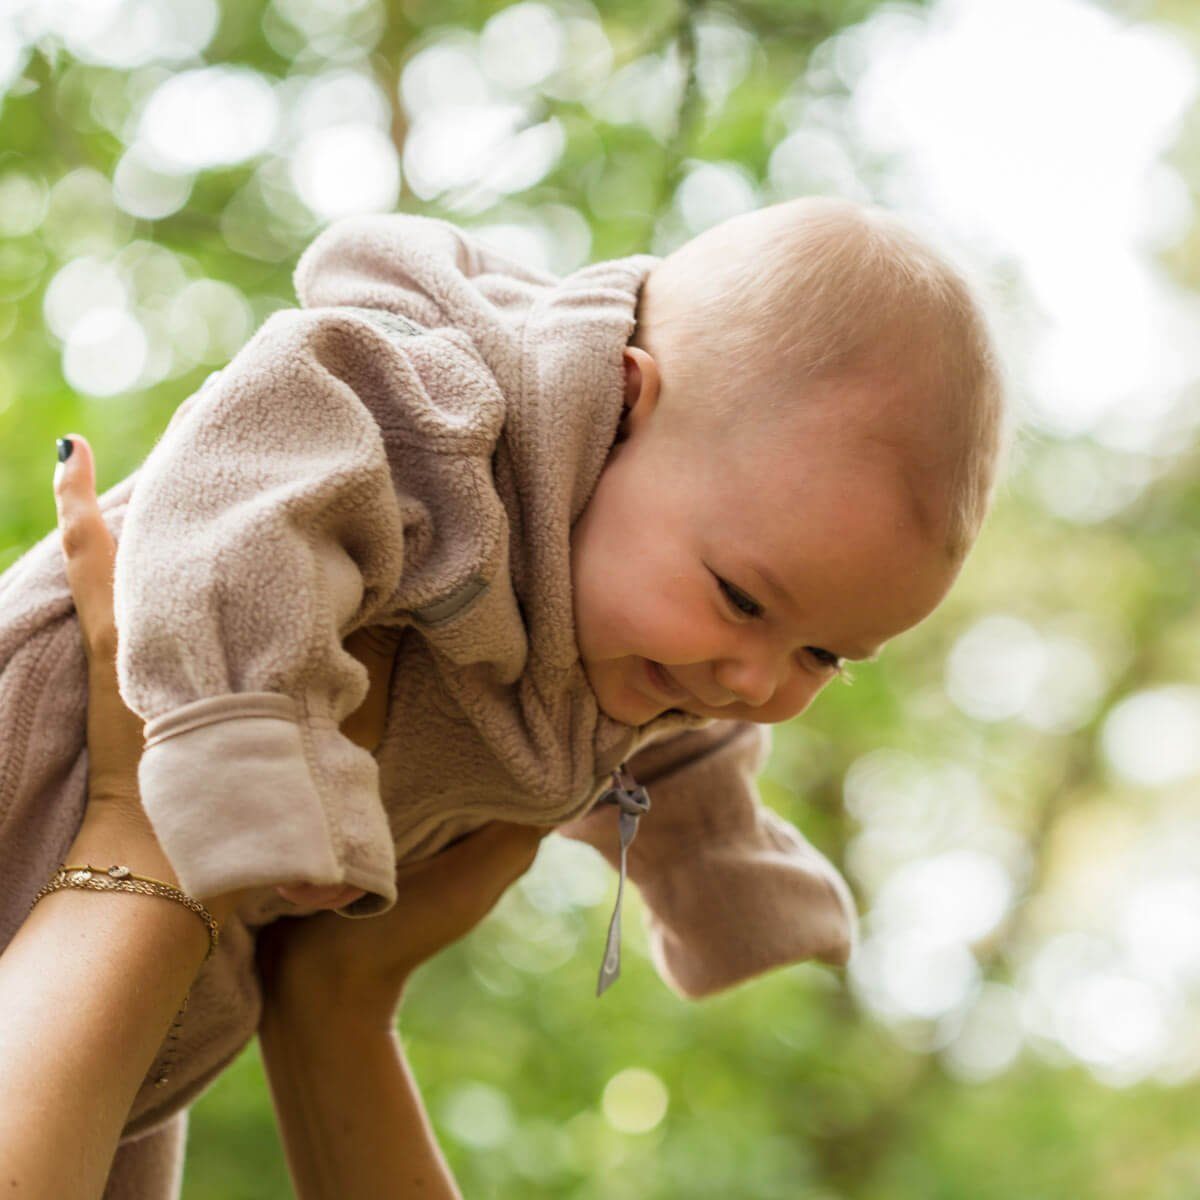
(633, 802)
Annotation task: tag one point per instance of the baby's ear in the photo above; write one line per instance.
(641, 389)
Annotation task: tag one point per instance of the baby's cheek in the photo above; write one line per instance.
(683, 632)
(791, 700)
(614, 624)
(644, 618)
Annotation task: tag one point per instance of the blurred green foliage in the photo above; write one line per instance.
(798, 1085)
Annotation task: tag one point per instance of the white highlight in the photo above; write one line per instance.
(1063, 175)
(522, 45)
(1003, 668)
(1152, 738)
(105, 352)
(346, 169)
(210, 117)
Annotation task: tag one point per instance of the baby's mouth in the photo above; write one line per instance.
(664, 682)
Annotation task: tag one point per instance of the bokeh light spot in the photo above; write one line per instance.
(80, 287)
(958, 895)
(913, 975)
(635, 1100)
(521, 45)
(347, 169)
(1152, 738)
(105, 352)
(210, 322)
(478, 1115)
(990, 1037)
(994, 668)
(444, 75)
(142, 190)
(22, 203)
(209, 117)
(714, 192)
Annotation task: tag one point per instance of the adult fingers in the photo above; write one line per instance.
(88, 547)
(316, 895)
(114, 734)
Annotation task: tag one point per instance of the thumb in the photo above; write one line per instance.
(88, 547)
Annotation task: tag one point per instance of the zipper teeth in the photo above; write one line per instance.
(13, 764)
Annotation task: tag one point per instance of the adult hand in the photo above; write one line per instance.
(330, 959)
(114, 733)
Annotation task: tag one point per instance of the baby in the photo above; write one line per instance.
(612, 525)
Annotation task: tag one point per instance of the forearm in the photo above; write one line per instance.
(89, 987)
(350, 1115)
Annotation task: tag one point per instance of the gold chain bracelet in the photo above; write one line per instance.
(118, 878)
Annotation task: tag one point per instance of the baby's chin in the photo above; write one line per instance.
(618, 687)
(629, 712)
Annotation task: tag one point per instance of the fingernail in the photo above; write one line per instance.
(65, 446)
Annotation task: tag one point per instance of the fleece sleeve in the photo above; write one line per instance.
(264, 527)
(730, 888)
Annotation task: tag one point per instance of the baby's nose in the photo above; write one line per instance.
(749, 682)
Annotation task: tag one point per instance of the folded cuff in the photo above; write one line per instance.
(242, 794)
(726, 914)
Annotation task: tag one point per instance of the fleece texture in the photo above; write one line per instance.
(407, 451)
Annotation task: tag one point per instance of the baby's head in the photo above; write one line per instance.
(813, 411)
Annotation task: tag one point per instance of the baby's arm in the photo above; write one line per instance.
(264, 527)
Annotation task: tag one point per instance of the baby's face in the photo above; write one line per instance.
(731, 576)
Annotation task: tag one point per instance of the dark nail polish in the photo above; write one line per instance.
(65, 446)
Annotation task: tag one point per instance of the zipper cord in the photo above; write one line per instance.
(633, 802)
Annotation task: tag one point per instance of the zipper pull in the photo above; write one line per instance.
(633, 802)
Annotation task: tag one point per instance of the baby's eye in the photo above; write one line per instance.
(738, 600)
(826, 658)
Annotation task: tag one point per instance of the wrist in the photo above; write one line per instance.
(302, 1000)
(108, 837)
(111, 837)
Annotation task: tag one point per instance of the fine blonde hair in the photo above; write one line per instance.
(824, 289)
